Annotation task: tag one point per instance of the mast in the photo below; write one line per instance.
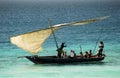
(49, 22)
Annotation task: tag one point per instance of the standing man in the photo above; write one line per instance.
(60, 50)
(101, 46)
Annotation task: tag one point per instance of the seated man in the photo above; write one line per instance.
(81, 55)
(86, 54)
(72, 54)
(90, 53)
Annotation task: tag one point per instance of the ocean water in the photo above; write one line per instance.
(17, 19)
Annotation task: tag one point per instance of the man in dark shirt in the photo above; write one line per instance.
(60, 50)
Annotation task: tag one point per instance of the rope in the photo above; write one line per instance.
(97, 40)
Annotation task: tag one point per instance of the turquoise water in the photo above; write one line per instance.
(16, 19)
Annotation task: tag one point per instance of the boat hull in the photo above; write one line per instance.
(54, 59)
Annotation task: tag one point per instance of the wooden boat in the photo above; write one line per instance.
(55, 59)
(32, 42)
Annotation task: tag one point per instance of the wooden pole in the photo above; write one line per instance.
(49, 22)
